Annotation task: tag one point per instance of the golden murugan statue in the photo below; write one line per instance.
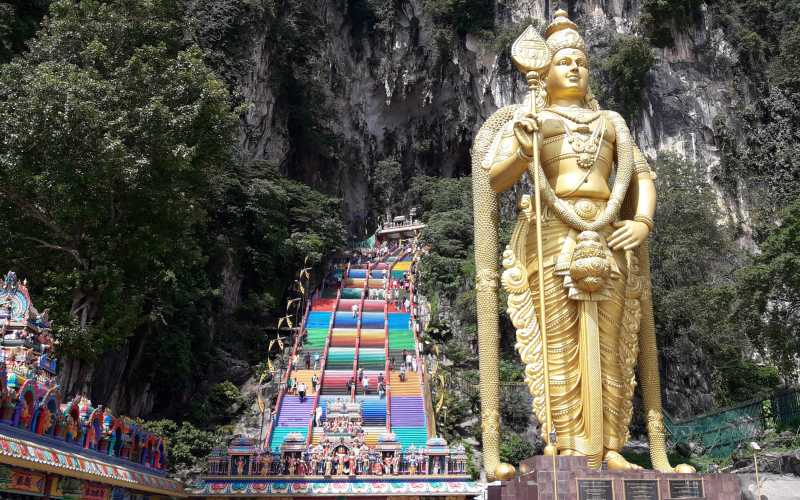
(584, 244)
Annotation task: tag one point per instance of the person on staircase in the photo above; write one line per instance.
(366, 385)
(314, 383)
(301, 391)
(355, 311)
(318, 416)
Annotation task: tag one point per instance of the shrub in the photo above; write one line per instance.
(514, 448)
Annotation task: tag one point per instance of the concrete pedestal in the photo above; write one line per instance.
(577, 482)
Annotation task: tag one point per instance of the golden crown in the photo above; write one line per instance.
(563, 33)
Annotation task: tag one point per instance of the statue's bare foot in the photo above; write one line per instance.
(616, 461)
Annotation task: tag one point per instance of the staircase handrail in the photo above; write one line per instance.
(387, 365)
(423, 380)
(285, 378)
(364, 290)
(324, 359)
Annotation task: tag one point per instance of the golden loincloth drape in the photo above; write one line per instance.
(569, 375)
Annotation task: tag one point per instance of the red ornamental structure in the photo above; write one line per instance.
(56, 446)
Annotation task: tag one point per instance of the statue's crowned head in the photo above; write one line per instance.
(568, 73)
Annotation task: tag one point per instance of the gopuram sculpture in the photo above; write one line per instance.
(582, 240)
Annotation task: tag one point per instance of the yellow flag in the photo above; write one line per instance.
(261, 405)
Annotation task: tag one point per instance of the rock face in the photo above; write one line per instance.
(393, 83)
(334, 87)
(389, 82)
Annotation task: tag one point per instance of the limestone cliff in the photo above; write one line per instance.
(337, 86)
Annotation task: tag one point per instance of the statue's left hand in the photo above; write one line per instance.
(629, 234)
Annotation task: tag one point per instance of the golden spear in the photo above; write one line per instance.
(532, 57)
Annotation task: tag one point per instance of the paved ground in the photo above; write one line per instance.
(773, 486)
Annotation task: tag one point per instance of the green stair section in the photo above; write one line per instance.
(340, 358)
(351, 293)
(371, 359)
(316, 339)
(401, 339)
(417, 436)
(279, 433)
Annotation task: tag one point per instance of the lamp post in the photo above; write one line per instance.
(755, 447)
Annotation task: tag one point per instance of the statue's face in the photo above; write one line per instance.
(568, 75)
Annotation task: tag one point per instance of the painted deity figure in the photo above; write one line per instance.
(587, 255)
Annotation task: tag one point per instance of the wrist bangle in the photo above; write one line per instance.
(647, 221)
(523, 156)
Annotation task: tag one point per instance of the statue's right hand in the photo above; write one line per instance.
(524, 129)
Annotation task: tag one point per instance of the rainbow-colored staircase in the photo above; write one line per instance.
(375, 338)
(359, 326)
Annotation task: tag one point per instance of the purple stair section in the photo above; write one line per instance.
(294, 413)
(408, 411)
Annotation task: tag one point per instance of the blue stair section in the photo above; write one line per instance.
(344, 320)
(357, 274)
(373, 410)
(372, 320)
(318, 319)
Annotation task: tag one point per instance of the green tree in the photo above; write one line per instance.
(769, 294)
(693, 263)
(463, 16)
(623, 75)
(514, 448)
(19, 20)
(106, 189)
(187, 446)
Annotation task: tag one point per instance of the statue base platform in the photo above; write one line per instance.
(576, 481)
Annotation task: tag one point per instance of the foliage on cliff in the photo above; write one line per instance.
(19, 20)
(126, 206)
(769, 293)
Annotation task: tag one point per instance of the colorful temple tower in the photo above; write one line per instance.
(61, 448)
(353, 417)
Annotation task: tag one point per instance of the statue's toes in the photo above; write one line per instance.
(615, 461)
